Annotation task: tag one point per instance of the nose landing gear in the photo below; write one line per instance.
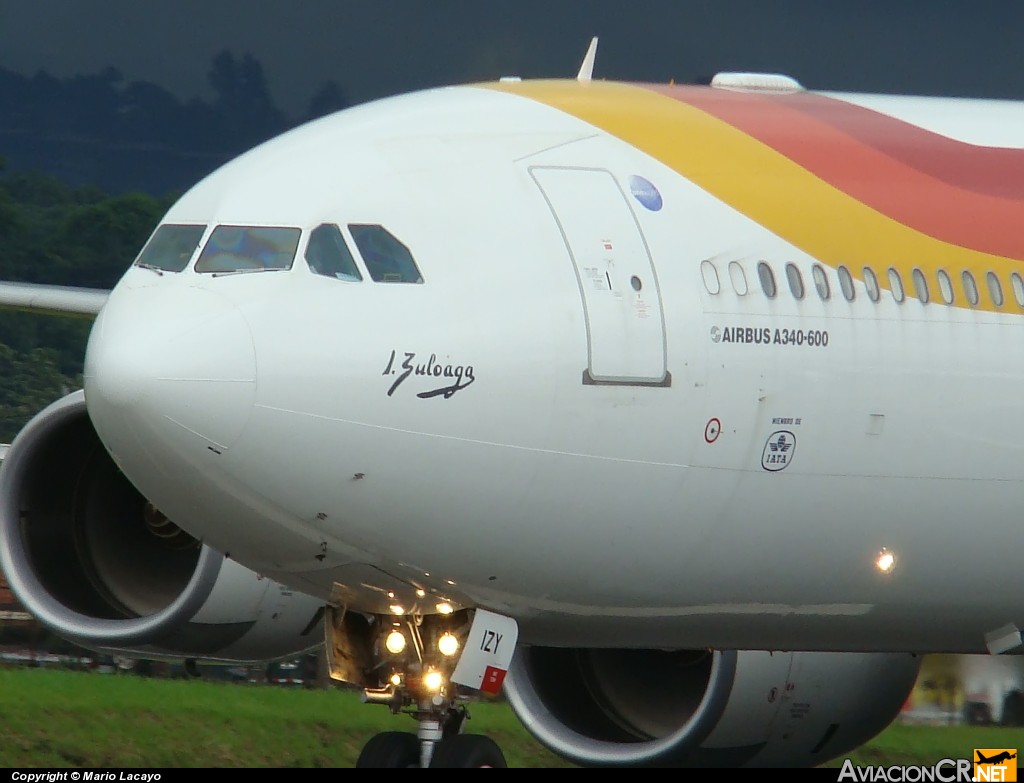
(437, 745)
(415, 664)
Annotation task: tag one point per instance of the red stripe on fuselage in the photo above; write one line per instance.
(968, 195)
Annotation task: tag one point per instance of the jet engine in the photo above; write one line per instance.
(96, 563)
(705, 708)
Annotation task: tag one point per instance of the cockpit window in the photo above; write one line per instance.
(248, 249)
(387, 260)
(328, 255)
(170, 248)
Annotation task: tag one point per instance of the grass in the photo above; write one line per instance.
(75, 719)
(903, 744)
(61, 719)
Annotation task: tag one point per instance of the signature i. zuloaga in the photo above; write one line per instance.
(459, 376)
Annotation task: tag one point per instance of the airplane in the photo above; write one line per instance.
(686, 417)
(1003, 756)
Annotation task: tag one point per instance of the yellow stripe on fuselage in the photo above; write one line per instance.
(768, 187)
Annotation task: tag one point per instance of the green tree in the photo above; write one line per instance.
(52, 233)
(96, 243)
(30, 382)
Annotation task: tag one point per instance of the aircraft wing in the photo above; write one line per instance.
(52, 299)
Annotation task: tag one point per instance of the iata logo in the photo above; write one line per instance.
(779, 450)
(995, 764)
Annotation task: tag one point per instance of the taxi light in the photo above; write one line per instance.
(448, 644)
(433, 680)
(396, 679)
(886, 561)
(397, 609)
(395, 642)
(444, 608)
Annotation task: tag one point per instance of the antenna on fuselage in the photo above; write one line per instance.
(587, 68)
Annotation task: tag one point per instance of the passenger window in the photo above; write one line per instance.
(738, 278)
(871, 283)
(767, 278)
(796, 282)
(896, 285)
(920, 286)
(171, 248)
(945, 286)
(328, 255)
(970, 288)
(710, 275)
(995, 290)
(387, 260)
(846, 283)
(821, 282)
(248, 249)
(1018, 288)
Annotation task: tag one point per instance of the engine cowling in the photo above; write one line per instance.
(91, 559)
(706, 708)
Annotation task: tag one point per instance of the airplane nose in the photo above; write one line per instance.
(184, 357)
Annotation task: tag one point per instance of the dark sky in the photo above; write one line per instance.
(374, 48)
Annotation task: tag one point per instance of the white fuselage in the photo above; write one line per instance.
(643, 509)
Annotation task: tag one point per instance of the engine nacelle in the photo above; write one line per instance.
(91, 559)
(697, 708)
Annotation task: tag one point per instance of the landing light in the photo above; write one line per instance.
(397, 609)
(445, 608)
(396, 679)
(433, 680)
(395, 642)
(448, 644)
(886, 561)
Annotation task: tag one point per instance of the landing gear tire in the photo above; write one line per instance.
(390, 750)
(465, 751)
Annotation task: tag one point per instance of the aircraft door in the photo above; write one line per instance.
(621, 300)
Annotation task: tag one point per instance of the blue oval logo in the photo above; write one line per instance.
(643, 190)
